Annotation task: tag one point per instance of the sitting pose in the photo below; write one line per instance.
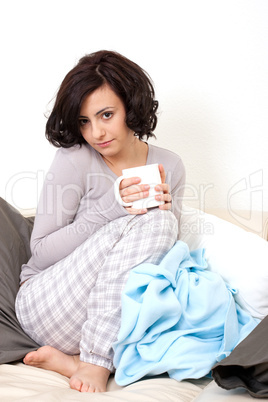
(84, 243)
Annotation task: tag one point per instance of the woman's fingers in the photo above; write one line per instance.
(167, 200)
(131, 191)
(134, 211)
(164, 187)
(162, 173)
(125, 183)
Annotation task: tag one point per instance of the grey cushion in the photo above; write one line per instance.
(15, 232)
(247, 365)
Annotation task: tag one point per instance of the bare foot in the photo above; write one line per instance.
(50, 358)
(90, 378)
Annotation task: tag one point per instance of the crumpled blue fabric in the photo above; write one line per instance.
(177, 317)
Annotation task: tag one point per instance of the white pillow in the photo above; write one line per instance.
(240, 257)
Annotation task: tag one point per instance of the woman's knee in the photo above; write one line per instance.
(161, 222)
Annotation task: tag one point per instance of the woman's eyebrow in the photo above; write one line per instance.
(102, 110)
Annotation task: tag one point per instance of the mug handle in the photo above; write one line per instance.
(117, 194)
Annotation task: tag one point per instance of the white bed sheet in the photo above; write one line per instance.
(19, 382)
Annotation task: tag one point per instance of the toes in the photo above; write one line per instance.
(29, 358)
(86, 388)
(76, 384)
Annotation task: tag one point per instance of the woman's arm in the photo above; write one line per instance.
(73, 205)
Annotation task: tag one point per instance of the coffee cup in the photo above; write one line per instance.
(149, 174)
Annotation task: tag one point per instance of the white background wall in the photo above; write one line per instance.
(208, 60)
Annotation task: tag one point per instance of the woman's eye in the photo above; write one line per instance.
(82, 122)
(107, 115)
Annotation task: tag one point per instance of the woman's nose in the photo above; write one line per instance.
(98, 131)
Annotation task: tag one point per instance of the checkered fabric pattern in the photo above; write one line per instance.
(75, 305)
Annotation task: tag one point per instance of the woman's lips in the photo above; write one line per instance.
(104, 144)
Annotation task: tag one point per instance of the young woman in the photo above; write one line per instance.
(84, 243)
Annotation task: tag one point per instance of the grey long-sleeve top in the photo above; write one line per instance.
(78, 198)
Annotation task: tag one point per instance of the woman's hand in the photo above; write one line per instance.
(130, 190)
(166, 197)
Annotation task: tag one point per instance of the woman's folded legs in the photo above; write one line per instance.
(75, 305)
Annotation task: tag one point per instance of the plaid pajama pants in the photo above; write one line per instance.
(75, 305)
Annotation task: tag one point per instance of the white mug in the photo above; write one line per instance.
(149, 174)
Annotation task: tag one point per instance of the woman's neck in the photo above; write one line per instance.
(135, 155)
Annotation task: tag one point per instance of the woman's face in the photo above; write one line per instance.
(102, 123)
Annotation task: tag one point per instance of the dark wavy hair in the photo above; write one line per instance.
(128, 80)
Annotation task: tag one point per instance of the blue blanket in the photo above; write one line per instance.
(177, 317)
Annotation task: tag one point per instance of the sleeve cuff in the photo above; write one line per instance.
(90, 357)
